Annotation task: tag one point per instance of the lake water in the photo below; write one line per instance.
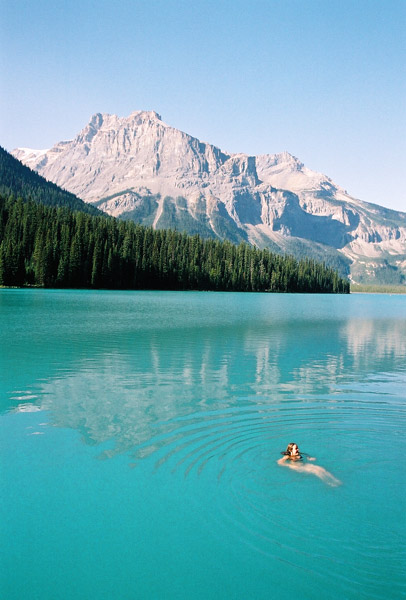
(140, 433)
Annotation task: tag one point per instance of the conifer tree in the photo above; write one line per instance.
(55, 247)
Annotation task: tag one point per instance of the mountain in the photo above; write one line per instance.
(142, 169)
(19, 180)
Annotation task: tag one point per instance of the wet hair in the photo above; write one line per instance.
(288, 451)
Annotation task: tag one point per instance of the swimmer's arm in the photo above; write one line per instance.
(282, 460)
(308, 457)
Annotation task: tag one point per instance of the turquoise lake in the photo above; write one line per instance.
(140, 433)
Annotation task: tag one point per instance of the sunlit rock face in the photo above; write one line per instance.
(140, 168)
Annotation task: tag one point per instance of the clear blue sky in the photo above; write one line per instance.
(322, 79)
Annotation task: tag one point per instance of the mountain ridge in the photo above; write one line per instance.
(18, 180)
(140, 168)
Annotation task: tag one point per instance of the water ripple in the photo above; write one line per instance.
(235, 450)
(189, 443)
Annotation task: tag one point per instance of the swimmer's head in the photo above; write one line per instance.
(292, 450)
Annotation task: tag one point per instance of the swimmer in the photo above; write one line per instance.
(293, 459)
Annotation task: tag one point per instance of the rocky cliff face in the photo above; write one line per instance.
(140, 168)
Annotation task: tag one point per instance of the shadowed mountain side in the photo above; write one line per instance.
(316, 228)
(135, 207)
(209, 218)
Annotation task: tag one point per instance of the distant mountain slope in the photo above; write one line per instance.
(20, 180)
(142, 169)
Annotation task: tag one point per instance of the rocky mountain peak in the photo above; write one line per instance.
(145, 115)
(104, 122)
(97, 120)
(139, 167)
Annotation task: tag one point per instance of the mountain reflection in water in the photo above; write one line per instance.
(131, 389)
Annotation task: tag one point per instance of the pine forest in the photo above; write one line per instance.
(56, 247)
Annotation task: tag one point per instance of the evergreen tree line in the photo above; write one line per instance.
(20, 180)
(55, 247)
